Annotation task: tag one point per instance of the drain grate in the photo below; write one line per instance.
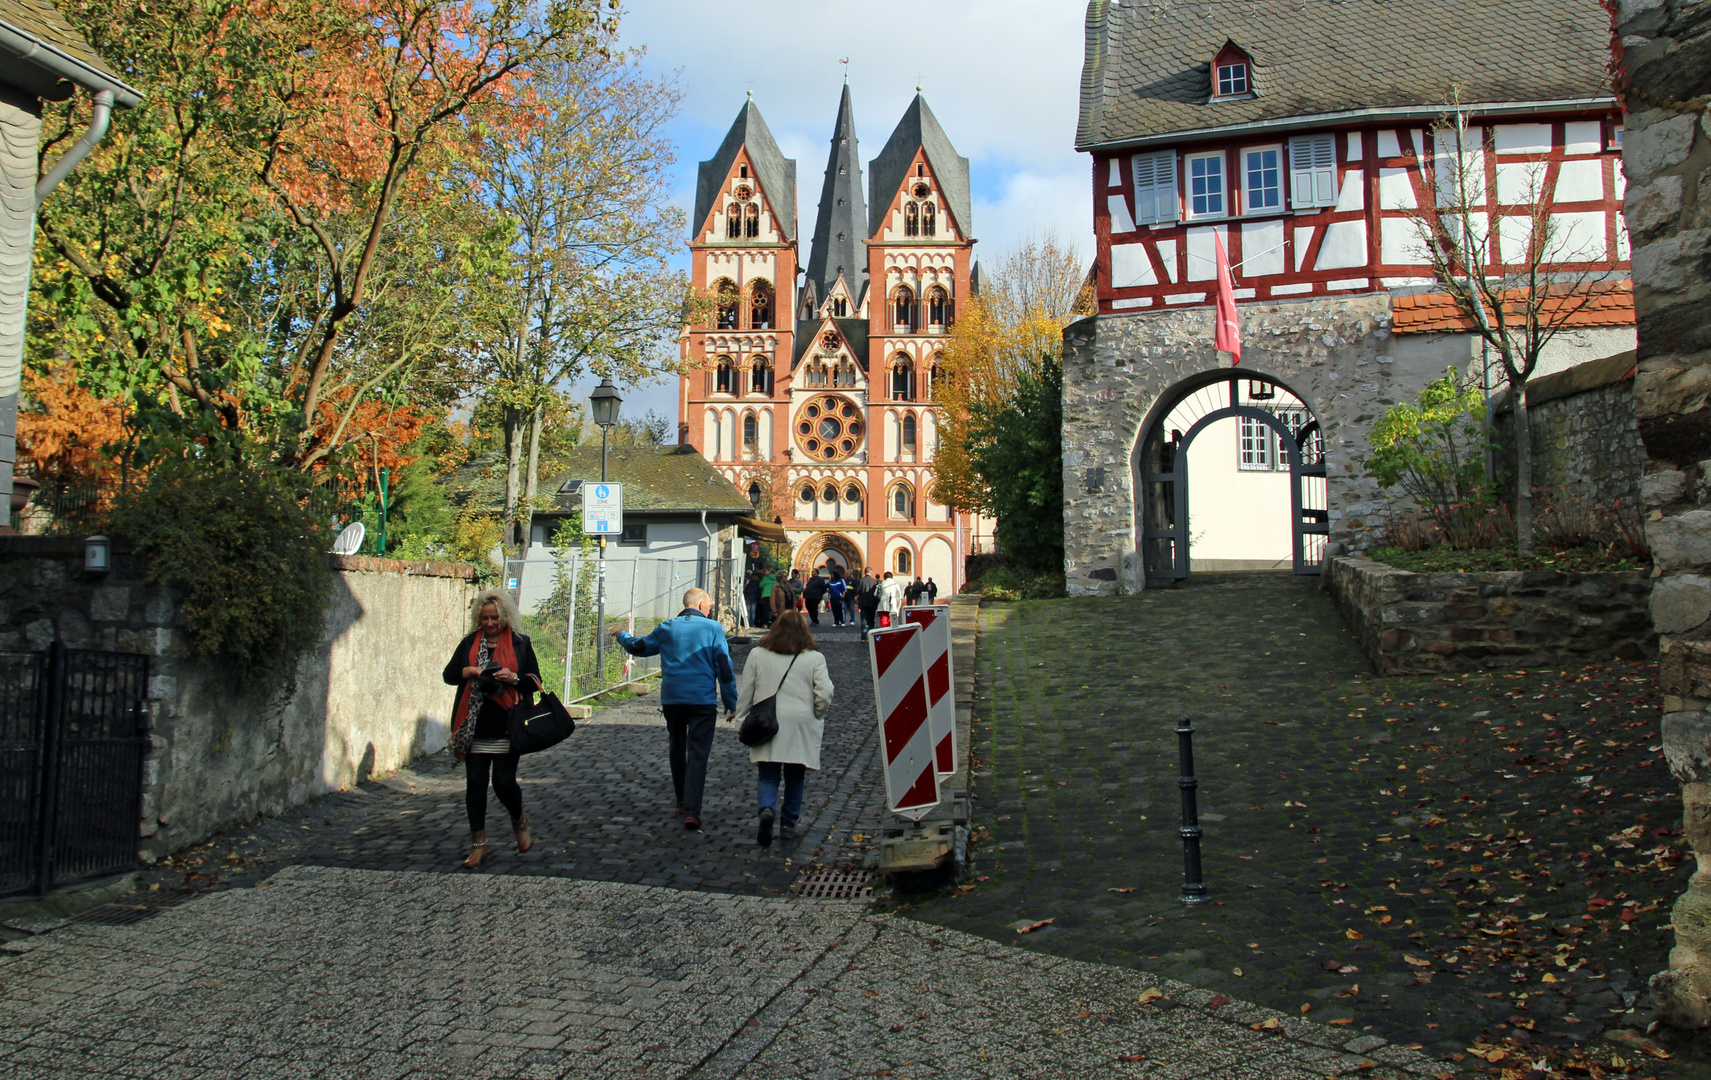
(818, 884)
(124, 914)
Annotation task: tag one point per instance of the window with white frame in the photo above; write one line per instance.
(1262, 179)
(1255, 445)
(1259, 448)
(1155, 188)
(1312, 171)
(1205, 185)
(1232, 79)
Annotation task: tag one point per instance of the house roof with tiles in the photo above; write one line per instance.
(46, 55)
(1437, 313)
(1147, 74)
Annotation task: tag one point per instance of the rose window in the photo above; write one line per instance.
(829, 427)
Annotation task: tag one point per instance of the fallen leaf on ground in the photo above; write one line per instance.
(1120, 890)
(1415, 960)
(1151, 993)
(1031, 927)
(1354, 935)
(1268, 1024)
(1218, 1001)
(1343, 1022)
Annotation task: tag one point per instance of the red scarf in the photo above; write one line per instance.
(505, 654)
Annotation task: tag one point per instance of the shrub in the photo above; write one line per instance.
(1434, 448)
(245, 544)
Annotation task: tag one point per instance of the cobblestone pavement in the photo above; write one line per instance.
(1433, 860)
(600, 805)
(327, 972)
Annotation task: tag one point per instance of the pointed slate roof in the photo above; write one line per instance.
(919, 129)
(854, 331)
(1147, 69)
(837, 247)
(775, 173)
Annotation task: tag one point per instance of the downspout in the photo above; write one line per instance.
(713, 559)
(68, 161)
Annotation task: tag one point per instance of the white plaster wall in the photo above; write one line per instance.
(937, 562)
(1234, 515)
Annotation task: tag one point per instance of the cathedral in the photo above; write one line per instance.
(811, 388)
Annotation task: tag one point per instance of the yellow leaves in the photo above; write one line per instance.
(1415, 961)
(1151, 994)
(1354, 935)
(1268, 1024)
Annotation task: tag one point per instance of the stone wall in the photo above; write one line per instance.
(367, 700)
(1665, 55)
(1585, 439)
(1337, 354)
(1422, 623)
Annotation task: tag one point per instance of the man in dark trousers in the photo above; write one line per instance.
(695, 673)
(932, 592)
(812, 593)
(867, 601)
(836, 592)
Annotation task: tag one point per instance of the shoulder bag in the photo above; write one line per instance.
(535, 727)
(760, 726)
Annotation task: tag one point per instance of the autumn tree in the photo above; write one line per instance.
(997, 400)
(1513, 268)
(280, 233)
(587, 287)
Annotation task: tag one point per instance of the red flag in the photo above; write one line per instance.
(1227, 335)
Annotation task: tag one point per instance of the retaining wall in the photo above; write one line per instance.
(366, 700)
(1412, 623)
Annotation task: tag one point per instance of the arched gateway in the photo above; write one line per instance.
(1160, 464)
(828, 547)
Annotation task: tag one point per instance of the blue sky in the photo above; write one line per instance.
(1001, 75)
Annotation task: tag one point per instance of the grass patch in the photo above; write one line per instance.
(1009, 583)
(1444, 559)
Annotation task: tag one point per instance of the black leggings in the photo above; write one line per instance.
(504, 768)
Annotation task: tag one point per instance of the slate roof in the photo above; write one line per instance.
(837, 247)
(919, 129)
(655, 478)
(775, 173)
(853, 330)
(41, 23)
(1147, 68)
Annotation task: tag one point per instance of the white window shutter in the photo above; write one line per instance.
(1312, 171)
(1155, 187)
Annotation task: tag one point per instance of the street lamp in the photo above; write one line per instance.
(603, 404)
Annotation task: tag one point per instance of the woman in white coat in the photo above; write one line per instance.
(786, 664)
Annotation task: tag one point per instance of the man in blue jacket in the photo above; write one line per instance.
(695, 673)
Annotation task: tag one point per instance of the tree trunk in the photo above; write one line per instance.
(1523, 471)
(513, 466)
(531, 480)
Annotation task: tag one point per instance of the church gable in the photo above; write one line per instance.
(770, 171)
(918, 209)
(742, 209)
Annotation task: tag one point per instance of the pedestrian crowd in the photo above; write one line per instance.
(785, 679)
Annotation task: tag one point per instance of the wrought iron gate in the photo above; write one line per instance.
(1161, 465)
(73, 735)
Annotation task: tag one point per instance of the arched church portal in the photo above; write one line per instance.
(1160, 464)
(828, 547)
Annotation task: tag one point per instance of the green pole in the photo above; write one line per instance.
(385, 478)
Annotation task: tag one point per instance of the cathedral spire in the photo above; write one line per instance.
(841, 225)
(775, 174)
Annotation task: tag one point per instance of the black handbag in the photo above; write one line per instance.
(535, 727)
(760, 726)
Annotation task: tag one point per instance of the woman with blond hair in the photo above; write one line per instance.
(494, 669)
(786, 664)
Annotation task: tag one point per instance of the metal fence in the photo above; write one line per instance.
(641, 593)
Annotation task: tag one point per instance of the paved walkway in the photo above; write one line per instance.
(325, 972)
(1433, 860)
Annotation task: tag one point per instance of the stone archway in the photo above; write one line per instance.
(1160, 464)
(821, 547)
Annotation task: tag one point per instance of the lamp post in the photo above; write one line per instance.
(603, 404)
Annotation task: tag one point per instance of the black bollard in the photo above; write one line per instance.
(1193, 888)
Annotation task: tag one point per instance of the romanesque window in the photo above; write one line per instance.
(727, 302)
(902, 503)
(816, 374)
(903, 309)
(929, 218)
(938, 307)
(902, 378)
(852, 498)
(829, 493)
(733, 221)
(760, 376)
(840, 308)
(911, 220)
(934, 375)
(909, 434)
(724, 376)
(846, 373)
(760, 305)
(752, 221)
(902, 562)
(751, 432)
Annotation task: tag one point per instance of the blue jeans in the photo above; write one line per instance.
(793, 776)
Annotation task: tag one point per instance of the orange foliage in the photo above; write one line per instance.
(64, 430)
(374, 438)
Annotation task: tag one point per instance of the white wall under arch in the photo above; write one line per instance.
(938, 562)
(1237, 519)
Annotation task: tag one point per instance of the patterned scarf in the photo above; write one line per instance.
(472, 697)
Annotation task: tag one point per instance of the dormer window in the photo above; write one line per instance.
(1233, 79)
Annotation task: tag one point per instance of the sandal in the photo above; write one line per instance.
(473, 862)
(520, 826)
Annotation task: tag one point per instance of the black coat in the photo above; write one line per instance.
(491, 714)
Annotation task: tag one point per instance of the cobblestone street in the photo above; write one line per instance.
(1431, 859)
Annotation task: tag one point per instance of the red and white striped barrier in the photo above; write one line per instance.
(935, 622)
(905, 738)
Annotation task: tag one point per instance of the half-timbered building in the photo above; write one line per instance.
(1316, 139)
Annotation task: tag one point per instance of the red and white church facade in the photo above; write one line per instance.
(811, 388)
